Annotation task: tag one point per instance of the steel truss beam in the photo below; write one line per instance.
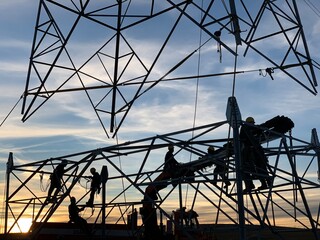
(291, 167)
(113, 70)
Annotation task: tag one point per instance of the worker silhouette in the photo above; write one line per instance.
(94, 187)
(170, 163)
(254, 161)
(75, 218)
(169, 171)
(220, 169)
(55, 181)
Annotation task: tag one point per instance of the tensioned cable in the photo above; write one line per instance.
(120, 165)
(197, 94)
(233, 93)
(11, 111)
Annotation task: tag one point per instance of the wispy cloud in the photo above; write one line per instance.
(67, 123)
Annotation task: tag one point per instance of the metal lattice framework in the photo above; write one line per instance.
(292, 164)
(98, 48)
(101, 48)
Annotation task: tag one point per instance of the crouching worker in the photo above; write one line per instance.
(75, 218)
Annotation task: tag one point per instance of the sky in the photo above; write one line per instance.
(67, 124)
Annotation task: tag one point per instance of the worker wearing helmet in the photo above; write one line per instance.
(95, 186)
(74, 216)
(169, 170)
(170, 163)
(55, 182)
(250, 120)
(254, 162)
(210, 149)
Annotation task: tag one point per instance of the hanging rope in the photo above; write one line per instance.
(196, 97)
(120, 165)
(86, 186)
(43, 187)
(229, 130)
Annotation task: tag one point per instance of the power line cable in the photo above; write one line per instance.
(313, 7)
(11, 111)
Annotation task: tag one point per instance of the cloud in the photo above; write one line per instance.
(67, 123)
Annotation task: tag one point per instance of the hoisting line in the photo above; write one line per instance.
(229, 131)
(196, 97)
(120, 165)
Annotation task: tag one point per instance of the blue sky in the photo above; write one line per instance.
(66, 123)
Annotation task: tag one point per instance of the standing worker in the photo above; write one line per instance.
(170, 163)
(169, 170)
(55, 181)
(252, 156)
(94, 187)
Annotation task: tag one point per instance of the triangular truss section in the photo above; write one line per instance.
(291, 195)
(121, 51)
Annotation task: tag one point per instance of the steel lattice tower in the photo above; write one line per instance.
(114, 70)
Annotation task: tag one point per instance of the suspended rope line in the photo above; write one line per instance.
(44, 187)
(120, 165)
(196, 96)
(229, 130)
(81, 185)
(11, 111)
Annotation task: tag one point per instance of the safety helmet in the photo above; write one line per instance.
(170, 147)
(93, 170)
(210, 149)
(250, 120)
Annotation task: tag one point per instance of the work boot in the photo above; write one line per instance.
(227, 184)
(264, 185)
(249, 186)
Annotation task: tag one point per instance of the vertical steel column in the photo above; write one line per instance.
(234, 118)
(234, 19)
(116, 66)
(104, 177)
(304, 40)
(180, 206)
(300, 189)
(316, 143)
(9, 169)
